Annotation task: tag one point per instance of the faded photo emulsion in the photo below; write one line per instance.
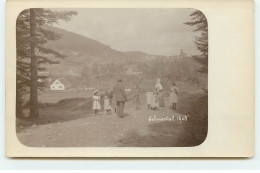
(107, 77)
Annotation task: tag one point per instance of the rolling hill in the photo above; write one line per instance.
(80, 48)
(92, 63)
(84, 54)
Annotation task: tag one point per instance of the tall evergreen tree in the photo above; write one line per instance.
(31, 37)
(199, 21)
(33, 66)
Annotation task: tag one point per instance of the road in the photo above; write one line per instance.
(141, 127)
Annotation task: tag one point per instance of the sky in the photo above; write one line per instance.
(153, 31)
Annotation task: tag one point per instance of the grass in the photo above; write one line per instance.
(169, 134)
(197, 109)
(63, 110)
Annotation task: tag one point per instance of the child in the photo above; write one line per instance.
(96, 102)
(109, 93)
(155, 101)
(107, 105)
(149, 98)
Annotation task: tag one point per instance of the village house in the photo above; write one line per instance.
(128, 90)
(75, 71)
(133, 71)
(174, 57)
(60, 84)
(74, 52)
(89, 89)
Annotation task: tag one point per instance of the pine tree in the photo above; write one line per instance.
(31, 37)
(22, 59)
(199, 21)
(33, 66)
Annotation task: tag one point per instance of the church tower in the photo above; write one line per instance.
(181, 54)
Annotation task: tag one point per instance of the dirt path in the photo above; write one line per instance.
(109, 130)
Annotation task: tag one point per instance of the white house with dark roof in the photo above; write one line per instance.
(60, 84)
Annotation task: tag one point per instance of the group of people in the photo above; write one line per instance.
(115, 99)
(155, 98)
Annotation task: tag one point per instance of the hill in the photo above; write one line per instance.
(85, 54)
(80, 48)
(92, 63)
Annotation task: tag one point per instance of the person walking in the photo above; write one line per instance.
(159, 90)
(173, 99)
(120, 97)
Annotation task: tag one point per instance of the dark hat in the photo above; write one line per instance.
(119, 80)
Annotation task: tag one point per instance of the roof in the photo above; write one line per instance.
(63, 81)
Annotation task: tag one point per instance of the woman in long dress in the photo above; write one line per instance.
(173, 99)
(96, 102)
(155, 101)
(159, 90)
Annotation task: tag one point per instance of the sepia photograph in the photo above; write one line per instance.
(111, 77)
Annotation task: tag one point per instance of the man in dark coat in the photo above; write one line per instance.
(120, 97)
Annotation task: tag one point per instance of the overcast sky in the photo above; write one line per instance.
(153, 31)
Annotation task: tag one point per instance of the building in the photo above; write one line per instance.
(182, 54)
(75, 71)
(128, 90)
(89, 89)
(75, 52)
(133, 71)
(60, 84)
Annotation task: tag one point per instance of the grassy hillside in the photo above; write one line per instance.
(88, 58)
(80, 47)
(94, 64)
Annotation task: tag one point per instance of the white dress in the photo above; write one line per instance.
(155, 101)
(158, 87)
(173, 96)
(159, 90)
(96, 103)
(149, 98)
(107, 105)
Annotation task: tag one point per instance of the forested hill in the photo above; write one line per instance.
(84, 48)
(89, 60)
